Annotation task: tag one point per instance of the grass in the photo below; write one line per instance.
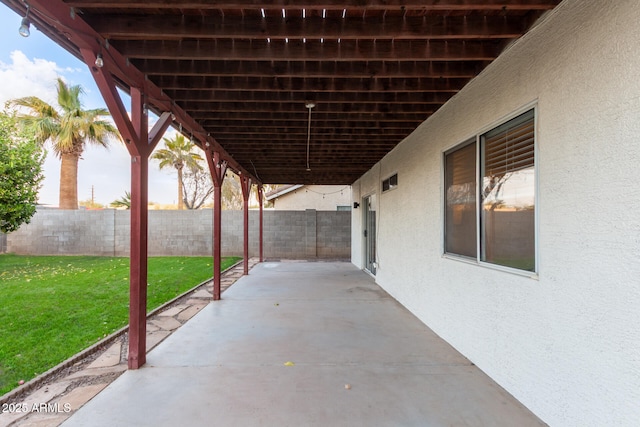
(52, 307)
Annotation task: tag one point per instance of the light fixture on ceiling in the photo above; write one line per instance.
(99, 61)
(24, 30)
(309, 106)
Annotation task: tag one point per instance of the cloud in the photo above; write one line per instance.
(25, 77)
(106, 171)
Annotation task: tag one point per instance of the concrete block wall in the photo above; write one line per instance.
(333, 234)
(287, 234)
(174, 233)
(121, 232)
(57, 232)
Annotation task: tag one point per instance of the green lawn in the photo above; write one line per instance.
(52, 307)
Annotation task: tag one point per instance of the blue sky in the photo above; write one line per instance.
(30, 66)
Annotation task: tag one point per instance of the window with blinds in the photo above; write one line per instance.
(460, 201)
(509, 148)
(505, 183)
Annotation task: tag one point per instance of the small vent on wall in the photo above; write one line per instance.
(390, 183)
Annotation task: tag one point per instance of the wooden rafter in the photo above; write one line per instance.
(434, 27)
(312, 50)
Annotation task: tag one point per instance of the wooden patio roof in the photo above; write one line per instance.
(238, 73)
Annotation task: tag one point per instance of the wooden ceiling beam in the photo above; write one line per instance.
(360, 152)
(296, 133)
(179, 27)
(211, 87)
(221, 125)
(299, 161)
(205, 98)
(311, 69)
(278, 148)
(344, 138)
(357, 156)
(267, 107)
(317, 166)
(422, 5)
(249, 118)
(348, 50)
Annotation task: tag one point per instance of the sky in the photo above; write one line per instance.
(30, 66)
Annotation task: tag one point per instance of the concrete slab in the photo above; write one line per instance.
(227, 364)
(79, 396)
(173, 311)
(110, 357)
(151, 327)
(96, 372)
(197, 301)
(154, 338)
(166, 323)
(202, 293)
(189, 312)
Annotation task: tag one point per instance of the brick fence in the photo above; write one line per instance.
(287, 234)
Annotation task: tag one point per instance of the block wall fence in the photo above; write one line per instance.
(287, 234)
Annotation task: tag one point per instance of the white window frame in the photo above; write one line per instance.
(477, 137)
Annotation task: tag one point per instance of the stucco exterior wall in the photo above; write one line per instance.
(567, 342)
(318, 197)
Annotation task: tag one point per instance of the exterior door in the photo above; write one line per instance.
(369, 204)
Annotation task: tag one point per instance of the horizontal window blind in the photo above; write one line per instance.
(461, 166)
(509, 147)
(460, 201)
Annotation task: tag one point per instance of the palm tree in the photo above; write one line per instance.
(123, 202)
(68, 128)
(177, 154)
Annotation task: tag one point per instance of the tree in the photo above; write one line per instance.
(232, 193)
(21, 171)
(197, 188)
(68, 128)
(123, 202)
(91, 204)
(266, 188)
(177, 154)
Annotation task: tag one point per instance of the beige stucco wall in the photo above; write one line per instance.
(318, 197)
(567, 342)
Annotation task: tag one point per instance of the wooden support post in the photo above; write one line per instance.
(260, 201)
(245, 183)
(218, 169)
(138, 259)
(140, 143)
(138, 263)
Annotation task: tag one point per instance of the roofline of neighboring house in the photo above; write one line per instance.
(282, 191)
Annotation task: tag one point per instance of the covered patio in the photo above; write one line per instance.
(304, 343)
(241, 80)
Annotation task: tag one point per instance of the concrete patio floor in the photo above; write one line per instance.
(304, 344)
